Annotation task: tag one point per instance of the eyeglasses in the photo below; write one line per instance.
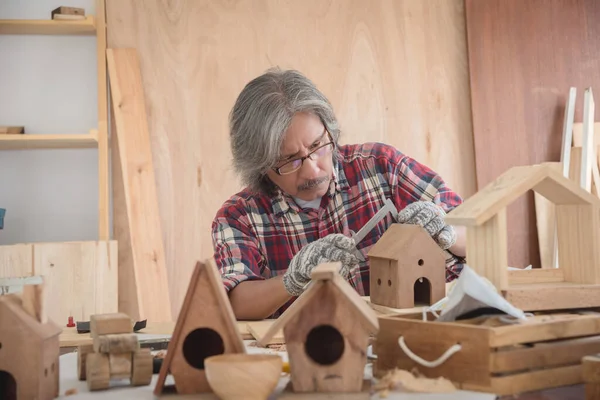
(294, 165)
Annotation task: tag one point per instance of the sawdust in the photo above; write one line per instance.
(70, 392)
(405, 381)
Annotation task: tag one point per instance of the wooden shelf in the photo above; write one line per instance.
(48, 27)
(38, 141)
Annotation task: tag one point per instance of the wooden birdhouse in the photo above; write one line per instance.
(326, 332)
(407, 268)
(576, 283)
(29, 347)
(206, 326)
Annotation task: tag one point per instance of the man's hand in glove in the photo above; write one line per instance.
(431, 217)
(332, 248)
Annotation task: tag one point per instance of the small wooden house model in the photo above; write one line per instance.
(29, 347)
(406, 267)
(576, 283)
(326, 333)
(206, 326)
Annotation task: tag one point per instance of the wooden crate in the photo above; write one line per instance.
(545, 351)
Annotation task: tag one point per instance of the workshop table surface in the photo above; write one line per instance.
(68, 380)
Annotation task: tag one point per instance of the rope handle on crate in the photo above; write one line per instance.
(430, 364)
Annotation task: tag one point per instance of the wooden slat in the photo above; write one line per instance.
(48, 27)
(143, 238)
(49, 141)
(538, 275)
(16, 260)
(544, 355)
(103, 155)
(382, 53)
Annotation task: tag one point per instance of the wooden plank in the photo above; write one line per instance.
(144, 236)
(522, 62)
(103, 155)
(537, 275)
(47, 27)
(258, 329)
(382, 53)
(553, 296)
(80, 278)
(49, 141)
(16, 260)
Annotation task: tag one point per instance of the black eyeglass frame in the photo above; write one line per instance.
(301, 159)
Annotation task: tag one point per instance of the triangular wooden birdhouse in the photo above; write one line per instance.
(326, 333)
(407, 268)
(206, 326)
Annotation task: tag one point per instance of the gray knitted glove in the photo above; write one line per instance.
(431, 217)
(331, 248)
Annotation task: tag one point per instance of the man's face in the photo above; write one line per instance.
(304, 135)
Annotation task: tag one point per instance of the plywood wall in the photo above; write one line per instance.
(396, 72)
(524, 55)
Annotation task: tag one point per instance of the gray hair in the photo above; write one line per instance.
(260, 117)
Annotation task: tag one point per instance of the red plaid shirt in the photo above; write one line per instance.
(256, 236)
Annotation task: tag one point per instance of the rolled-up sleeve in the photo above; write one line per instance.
(236, 248)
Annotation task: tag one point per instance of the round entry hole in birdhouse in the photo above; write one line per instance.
(420, 262)
(324, 345)
(200, 344)
(8, 386)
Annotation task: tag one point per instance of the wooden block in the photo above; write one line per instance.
(591, 376)
(141, 373)
(97, 371)
(12, 129)
(120, 365)
(67, 11)
(82, 352)
(116, 343)
(106, 324)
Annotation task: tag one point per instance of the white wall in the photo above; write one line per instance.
(49, 85)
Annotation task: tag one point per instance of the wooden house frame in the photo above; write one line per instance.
(326, 333)
(576, 283)
(406, 266)
(206, 326)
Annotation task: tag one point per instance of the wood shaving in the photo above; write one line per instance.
(160, 354)
(71, 391)
(402, 380)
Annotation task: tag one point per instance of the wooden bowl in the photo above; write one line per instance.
(247, 376)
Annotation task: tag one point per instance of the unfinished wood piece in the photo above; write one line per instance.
(82, 352)
(97, 371)
(141, 373)
(29, 353)
(12, 129)
(486, 354)
(80, 278)
(326, 332)
(591, 376)
(588, 156)
(407, 268)
(117, 343)
(142, 267)
(577, 222)
(206, 326)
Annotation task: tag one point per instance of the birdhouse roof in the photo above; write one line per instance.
(515, 182)
(322, 275)
(12, 305)
(399, 239)
(204, 283)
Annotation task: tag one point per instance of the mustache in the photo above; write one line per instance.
(312, 183)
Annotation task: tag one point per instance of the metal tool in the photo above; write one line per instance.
(7, 283)
(387, 208)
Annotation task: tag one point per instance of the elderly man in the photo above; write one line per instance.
(305, 194)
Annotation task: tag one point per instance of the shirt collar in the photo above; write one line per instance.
(283, 202)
